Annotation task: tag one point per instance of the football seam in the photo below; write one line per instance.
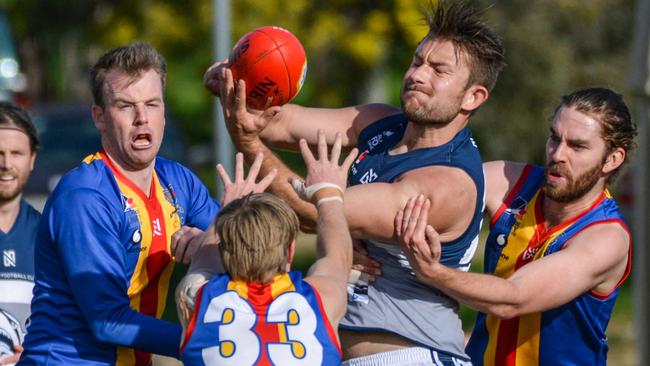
(284, 62)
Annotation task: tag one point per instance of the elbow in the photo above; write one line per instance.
(114, 327)
(504, 312)
(103, 332)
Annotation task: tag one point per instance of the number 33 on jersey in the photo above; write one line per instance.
(279, 323)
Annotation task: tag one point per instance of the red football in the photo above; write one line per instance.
(272, 62)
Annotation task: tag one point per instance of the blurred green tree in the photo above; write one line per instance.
(357, 52)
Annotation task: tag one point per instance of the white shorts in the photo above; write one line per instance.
(412, 356)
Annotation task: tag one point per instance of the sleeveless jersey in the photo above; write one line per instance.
(17, 274)
(572, 334)
(103, 264)
(244, 324)
(397, 301)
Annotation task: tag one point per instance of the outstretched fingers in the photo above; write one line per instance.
(266, 181)
(223, 175)
(307, 155)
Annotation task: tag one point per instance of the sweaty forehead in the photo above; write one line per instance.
(145, 85)
(439, 50)
(576, 124)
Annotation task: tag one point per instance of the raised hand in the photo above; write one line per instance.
(243, 186)
(244, 124)
(212, 78)
(325, 171)
(420, 241)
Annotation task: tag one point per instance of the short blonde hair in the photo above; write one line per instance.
(256, 232)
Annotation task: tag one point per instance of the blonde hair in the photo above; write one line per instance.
(256, 232)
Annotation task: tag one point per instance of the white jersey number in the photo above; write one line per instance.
(240, 346)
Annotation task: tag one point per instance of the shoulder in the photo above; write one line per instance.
(603, 237)
(605, 250)
(91, 174)
(173, 171)
(30, 212)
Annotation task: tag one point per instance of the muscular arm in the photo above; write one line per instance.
(595, 259)
(85, 227)
(370, 208)
(293, 122)
(284, 126)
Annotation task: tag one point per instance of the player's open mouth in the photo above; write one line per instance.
(7, 178)
(142, 141)
(554, 176)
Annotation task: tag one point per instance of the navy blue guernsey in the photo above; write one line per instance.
(397, 302)
(17, 270)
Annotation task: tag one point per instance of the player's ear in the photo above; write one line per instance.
(97, 113)
(614, 160)
(475, 95)
(291, 253)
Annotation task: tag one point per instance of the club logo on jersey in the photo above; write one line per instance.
(170, 195)
(473, 142)
(129, 203)
(517, 208)
(9, 258)
(361, 156)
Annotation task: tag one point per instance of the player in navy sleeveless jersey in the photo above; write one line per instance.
(558, 246)
(18, 224)
(424, 147)
(259, 312)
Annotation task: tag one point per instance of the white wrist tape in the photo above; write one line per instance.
(328, 199)
(307, 193)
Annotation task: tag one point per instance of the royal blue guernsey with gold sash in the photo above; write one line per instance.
(104, 268)
(572, 334)
(243, 323)
(397, 301)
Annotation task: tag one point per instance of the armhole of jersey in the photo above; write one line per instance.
(326, 320)
(195, 315)
(512, 194)
(628, 267)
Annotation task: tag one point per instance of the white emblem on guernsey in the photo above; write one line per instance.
(157, 231)
(375, 140)
(368, 177)
(9, 258)
(501, 239)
